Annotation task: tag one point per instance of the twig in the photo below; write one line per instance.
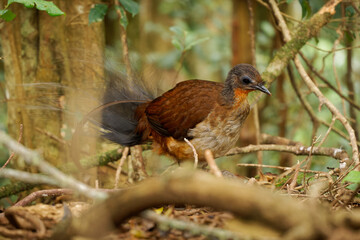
(316, 121)
(196, 158)
(337, 41)
(13, 154)
(349, 71)
(353, 195)
(327, 132)
(33, 158)
(195, 229)
(277, 167)
(43, 193)
(125, 153)
(125, 47)
(253, 61)
(52, 136)
(303, 33)
(212, 164)
(310, 84)
(311, 67)
(297, 150)
(331, 107)
(32, 178)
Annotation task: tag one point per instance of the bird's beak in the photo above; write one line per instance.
(263, 89)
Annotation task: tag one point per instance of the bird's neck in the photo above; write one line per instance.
(234, 96)
(240, 95)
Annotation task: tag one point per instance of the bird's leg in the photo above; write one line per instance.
(138, 165)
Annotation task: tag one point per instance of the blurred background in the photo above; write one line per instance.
(53, 69)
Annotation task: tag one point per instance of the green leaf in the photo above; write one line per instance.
(350, 36)
(123, 18)
(195, 42)
(177, 44)
(130, 6)
(306, 8)
(41, 5)
(349, 11)
(352, 187)
(7, 15)
(353, 176)
(177, 30)
(97, 13)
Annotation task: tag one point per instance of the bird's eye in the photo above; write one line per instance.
(246, 80)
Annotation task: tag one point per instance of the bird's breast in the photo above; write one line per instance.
(219, 132)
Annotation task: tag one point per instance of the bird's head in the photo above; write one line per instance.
(246, 78)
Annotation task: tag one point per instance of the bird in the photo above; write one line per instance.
(208, 114)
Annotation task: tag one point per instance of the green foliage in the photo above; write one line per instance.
(7, 15)
(183, 40)
(97, 13)
(306, 8)
(41, 5)
(349, 11)
(130, 6)
(123, 19)
(353, 176)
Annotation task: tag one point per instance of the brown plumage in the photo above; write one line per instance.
(206, 113)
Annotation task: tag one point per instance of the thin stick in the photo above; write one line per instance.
(335, 153)
(328, 131)
(43, 193)
(212, 164)
(33, 158)
(277, 167)
(125, 47)
(196, 157)
(253, 61)
(22, 176)
(337, 42)
(322, 78)
(125, 153)
(13, 154)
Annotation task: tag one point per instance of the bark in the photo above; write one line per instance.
(57, 51)
(246, 201)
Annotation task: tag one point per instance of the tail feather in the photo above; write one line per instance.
(119, 121)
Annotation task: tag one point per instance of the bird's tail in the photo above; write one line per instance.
(121, 99)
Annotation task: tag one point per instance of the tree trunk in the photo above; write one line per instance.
(47, 73)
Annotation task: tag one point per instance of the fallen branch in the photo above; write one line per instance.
(33, 178)
(192, 227)
(33, 158)
(202, 189)
(43, 193)
(277, 167)
(336, 153)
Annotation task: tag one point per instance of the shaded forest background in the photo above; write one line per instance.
(53, 72)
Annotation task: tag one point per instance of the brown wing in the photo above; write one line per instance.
(181, 108)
